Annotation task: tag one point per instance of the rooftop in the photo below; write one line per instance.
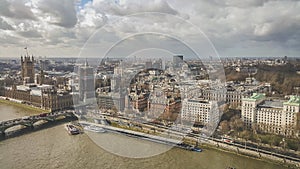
(272, 104)
(197, 100)
(294, 100)
(255, 97)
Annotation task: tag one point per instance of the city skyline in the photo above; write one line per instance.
(254, 113)
(60, 29)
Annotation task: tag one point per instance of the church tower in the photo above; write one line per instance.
(27, 69)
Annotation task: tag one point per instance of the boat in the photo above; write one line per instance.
(196, 149)
(184, 146)
(95, 129)
(72, 129)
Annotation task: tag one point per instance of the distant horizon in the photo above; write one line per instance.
(119, 57)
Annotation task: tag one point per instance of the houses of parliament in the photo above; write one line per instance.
(33, 91)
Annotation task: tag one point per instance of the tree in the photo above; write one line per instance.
(246, 134)
(236, 123)
(224, 125)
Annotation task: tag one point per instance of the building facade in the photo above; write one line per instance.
(200, 111)
(177, 60)
(38, 94)
(271, 116)
(111, 101)
(23, 93)
(53, 100)
(86, 83)
(27, 69)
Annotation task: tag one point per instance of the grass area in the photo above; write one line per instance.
(23, 107)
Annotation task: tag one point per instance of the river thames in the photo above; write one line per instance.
(54, 148)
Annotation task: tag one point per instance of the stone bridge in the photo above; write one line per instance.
(29, 121)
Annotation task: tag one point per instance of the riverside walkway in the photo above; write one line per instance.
(141, 135)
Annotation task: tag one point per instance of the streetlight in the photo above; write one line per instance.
(283, 140)
(259, 141)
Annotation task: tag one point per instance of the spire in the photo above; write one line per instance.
(86, 63)
(41, 73)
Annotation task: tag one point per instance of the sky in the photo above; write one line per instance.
(225, 28)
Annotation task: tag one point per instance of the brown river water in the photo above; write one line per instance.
(54, 148)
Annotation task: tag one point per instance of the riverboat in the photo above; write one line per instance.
(72, 129)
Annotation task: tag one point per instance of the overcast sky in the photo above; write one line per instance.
(60, 28)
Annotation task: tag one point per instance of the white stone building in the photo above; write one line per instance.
(271, 116)
(200, 111)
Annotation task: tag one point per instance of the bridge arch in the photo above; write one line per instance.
(17, 126)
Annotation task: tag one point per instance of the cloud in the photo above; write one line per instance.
(249, 27)
(16, 9)
(240, 25)
(8, 40)
(30, 34)
(4, 25)
(127, 7)
(241, 4)
(279, 26)
(62, 12)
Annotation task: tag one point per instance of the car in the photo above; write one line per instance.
(227, 140)
(196, 149)
(26, 118)
(43, 114)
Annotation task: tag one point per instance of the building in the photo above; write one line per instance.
(158, 64)
(200, 111)
(231, 97)
(139, 102)
(157, 103)
(38, 94)
(111, 101)
(214, 94)
(249, 106)
(177, 60)
(43, 96)
(115, 83)
(86, 83)
(52, 100)
(234, 98)
(233, 93)
(29, 94)
(271, 116)
(148, 64)
(27, 69)
(2, 86)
